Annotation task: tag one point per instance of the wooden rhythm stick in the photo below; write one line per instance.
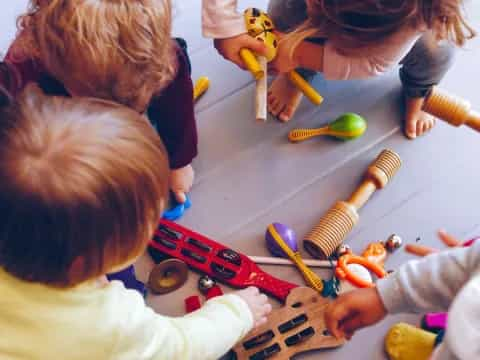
(335, 225)
(261, 92)
(266, 260)
(297, 327)
(452, 109)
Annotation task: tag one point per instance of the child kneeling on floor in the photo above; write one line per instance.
(83, 184)
(350, 39)
(449, 280)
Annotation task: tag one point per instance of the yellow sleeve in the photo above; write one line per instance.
(204, 334)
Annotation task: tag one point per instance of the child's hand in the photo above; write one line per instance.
(286, 60)
(181, 181)
(258, 304)
(230, 48)
(354, 310)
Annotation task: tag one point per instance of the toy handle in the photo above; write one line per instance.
(252, 64)
(271, 285)
(298, 135)
(201, 86)
(362, 194)
(305, 88)
(473, 120)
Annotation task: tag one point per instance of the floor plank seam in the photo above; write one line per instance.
(299, 189)
(201, 108)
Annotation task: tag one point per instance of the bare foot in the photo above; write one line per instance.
(283, 98)
(417, 122)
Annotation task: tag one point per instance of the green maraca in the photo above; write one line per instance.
(348, 126)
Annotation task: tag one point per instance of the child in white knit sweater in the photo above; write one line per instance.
(448, 280)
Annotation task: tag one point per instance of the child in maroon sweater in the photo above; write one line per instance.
(120, 51)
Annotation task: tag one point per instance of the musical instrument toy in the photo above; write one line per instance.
(452, 109)
(310, 277)
(167, 276)
(214, 259)
(297, 327)
(335, 225)
(349, 126)
(261, 27)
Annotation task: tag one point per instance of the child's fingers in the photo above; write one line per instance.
(267, 309)
(448, 239)
(419, 250)
(260, 322)
(334, 315)
(350, 325)
(349, 335)
(180, 196)
(256, 46)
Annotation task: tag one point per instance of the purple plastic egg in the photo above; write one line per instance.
(288, 236)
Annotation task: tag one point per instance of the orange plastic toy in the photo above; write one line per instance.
(375, 252)
(342, 272)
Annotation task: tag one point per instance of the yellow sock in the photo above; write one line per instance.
(407, 342)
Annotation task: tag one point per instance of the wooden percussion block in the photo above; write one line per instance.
(297, 327)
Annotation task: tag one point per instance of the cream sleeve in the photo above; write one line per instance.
(205, 334)
(220, 19)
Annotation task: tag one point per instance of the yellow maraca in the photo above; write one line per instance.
(312, 279)
(349, 126)
(261, 27)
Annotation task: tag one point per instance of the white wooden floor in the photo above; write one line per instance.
(249, 175)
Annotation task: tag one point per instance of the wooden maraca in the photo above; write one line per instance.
(335, 225)
(346, 127)
(452, 109)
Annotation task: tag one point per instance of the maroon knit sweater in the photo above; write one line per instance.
(171, 112)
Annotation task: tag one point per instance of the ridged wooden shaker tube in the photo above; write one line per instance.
(337, 223)
(452, 109)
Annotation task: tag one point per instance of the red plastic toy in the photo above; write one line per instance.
(214, 259)
(214, 292)
(192, 303)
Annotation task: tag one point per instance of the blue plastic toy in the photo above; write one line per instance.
(176, 210)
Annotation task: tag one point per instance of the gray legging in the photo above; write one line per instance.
(423, 67)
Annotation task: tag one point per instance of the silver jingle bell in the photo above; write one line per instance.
(205, 283)
(393, 242)
(343, 249)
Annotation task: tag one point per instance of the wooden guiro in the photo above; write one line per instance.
(452, 109)
(335, 225)
(293, 329)
(348, 126)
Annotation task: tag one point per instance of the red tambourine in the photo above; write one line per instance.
(214, 259)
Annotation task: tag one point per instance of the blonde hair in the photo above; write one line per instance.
(354, 24)
(84, 181)
(115, 50)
